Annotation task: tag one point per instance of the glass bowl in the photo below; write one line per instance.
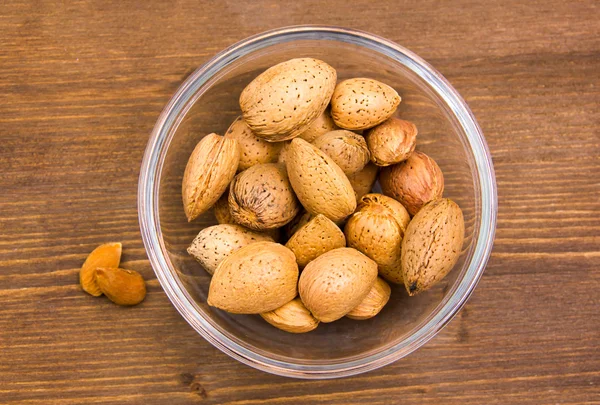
(208, 102)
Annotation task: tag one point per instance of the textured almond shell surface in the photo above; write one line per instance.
(121, 286)
(346, 148)
(215, 243)
(432, 244)
(392, 206)
(253, 150)
(284, 100)
(378, 296)
(221, 209)
(336, 282)
(323, 124)
(318, 236)
(209, 171)
(320, 184)
(362, 103)
(414, 182)
(285, 147)
(261, 197)
(292, 317)
(257, 278)
(374, 232)
(298, 222)
(106, 255)
(392, 141)
(362, 182)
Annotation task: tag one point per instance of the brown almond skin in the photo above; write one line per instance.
(318, 236)
(123, 287)
(374, 232)
(257, 278)
(346, 148)
(261, 197)
(320, 184)
(283, 101)
(209, 170)
(414, 182)
(253, 150)
(432, 244)
(214, 244)
(392, 141)
(336, 282)
(323, 124)
(106, 255)
(373, 303)
(362, 103)
(292, 317)
(362, 182)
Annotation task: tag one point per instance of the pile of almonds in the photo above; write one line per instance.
(307, 152)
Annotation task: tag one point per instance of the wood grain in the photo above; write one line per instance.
(82, 84)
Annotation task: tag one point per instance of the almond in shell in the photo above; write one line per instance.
(318, 236)
(346, 148)
(432, 244)
(323, 124)
(363, 181)
(292, 317)
(209, 170)
(253, 150)
(392, 141)
(373, 302)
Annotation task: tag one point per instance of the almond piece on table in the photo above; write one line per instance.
(123, 287)
(207, 175)
(106, 255)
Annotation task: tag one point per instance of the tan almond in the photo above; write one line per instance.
(106, 255)
(285, 147)
(318, 236)
(221, 210)
(362, 103)
(320, 184)
(363, 181)
(214, 244)
(292, 317)
(209, 170)
(283, 101)
(323, 124)
(414, 182)
(373, 302)
(123, 287)
(392, 141)
(346, 148)
(336, 282)
(257, 278)
(432, 244)
(394, 208)
(298, 222)
(261, 197)
(253, 150)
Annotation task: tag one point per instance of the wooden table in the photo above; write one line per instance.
(81, 86)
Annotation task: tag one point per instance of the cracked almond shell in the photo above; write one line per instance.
(320, 184)
(257, 278)
(209, 170)
(432, 244)
(283, 101)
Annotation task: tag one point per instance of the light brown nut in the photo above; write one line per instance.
(106, 255)
(221, 209)
(336, 282)
(362, 103)
(285, 147)
(215, 243)
(363, 181)
(253, 150)
(323, 124)
(346, 148)
(374, 231)
(284, 100)
(123, 287)
(392, 141)
(298, 222)
(414, 182)
(261, 197)
(320, 184)
(432, 244)
(394, 208)
(292, 317)
(209, 170)
(373, 302)
(257, 278)
(318, 236)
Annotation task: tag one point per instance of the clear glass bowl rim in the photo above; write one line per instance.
(148, 190)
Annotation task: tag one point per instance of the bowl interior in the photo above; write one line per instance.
(214, 105)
